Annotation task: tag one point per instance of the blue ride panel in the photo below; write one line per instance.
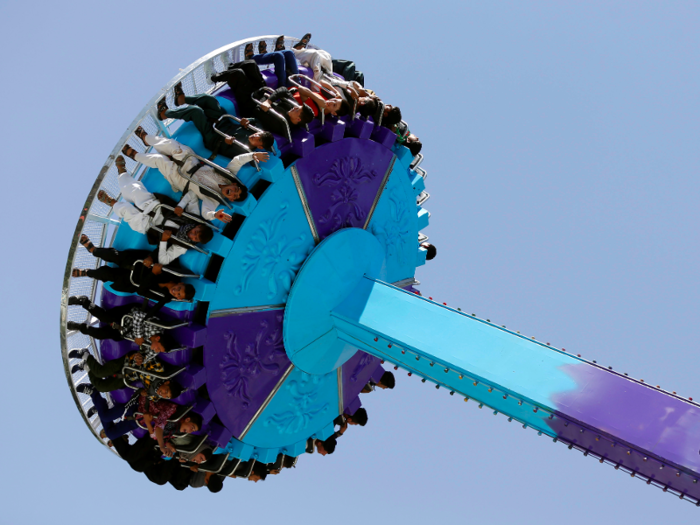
(274, 242)
(303, 404)
(395, 223)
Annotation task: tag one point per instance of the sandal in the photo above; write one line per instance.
(162, 108)
(279, 43)
(178, 92)
(104, 197)
(77, 272)
(120, 163)
(262, 47)
(141, 133)
(303, 42)
(248, 51)
(129, 151)
(85, 242)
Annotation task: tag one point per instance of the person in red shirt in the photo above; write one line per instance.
(321, 101)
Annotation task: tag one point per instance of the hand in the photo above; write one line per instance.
(228, 140)
(166, 235)
(154, 338)
(157, 269)
(178, 211)
(166, 451)
(194, 468)
(223, 216)
(138, 358)
(261, 156)
(148, 262)
(245, 122)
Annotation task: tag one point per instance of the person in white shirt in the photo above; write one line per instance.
(169, 157)
(140, 210)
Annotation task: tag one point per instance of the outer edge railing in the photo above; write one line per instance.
(196, 79)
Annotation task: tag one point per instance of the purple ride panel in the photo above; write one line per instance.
(634, 413)
(357, 371)
(347, 174)
(245, 359)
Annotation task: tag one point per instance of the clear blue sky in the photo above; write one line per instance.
(561, 142)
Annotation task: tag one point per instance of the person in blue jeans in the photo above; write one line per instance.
(284, 62)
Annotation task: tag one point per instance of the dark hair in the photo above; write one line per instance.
(307, 114)
(343, 110)
(392, 118)
(175, 389)
(329, 445)
(244, 192)
(189, 292)
(216, 483)
(268, 141)
(432, 251)
(368, 109)
(207, 234)
(388, 380)
(207, 453)
(415, 147)
(196, 419)
(360, 417)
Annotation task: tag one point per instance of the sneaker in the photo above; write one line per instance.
(72, 325)
(77, 368)
(78, 353)
(82, 300)
(91, 412)
(85, 388)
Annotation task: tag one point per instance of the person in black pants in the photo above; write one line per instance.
(203, 111)
(159, 287)
(244, 78)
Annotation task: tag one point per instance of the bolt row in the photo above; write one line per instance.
(594, 362)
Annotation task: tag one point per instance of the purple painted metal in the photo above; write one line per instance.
(637, 418)
(357, 372)
(245, 359)
(228, 94)
(341, 181)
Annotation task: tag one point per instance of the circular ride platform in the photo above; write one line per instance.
(339, 201)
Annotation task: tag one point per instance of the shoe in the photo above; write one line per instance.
(72, 325)
(77, 368)
(162, 108)
(80, 300)
(78, 353)
(303, 42)
(248, 51)
(91, 412)
(85, 388)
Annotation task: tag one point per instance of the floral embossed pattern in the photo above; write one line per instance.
(306, 404)
(344, 176)
(241, 367)
(274, 256)
(394, 232)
